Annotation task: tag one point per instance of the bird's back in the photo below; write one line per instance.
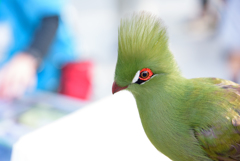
(221, 140)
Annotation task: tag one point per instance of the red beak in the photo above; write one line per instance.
(116, 88)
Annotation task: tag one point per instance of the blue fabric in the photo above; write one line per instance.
(5, 152)
(24, 17)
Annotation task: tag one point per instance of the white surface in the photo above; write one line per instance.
(108, 130)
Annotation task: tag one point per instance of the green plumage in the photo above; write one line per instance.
(186, 119)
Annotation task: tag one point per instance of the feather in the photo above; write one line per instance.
(185, 119)
(142, 37)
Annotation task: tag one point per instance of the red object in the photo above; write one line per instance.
(76, 80)
(149, 74)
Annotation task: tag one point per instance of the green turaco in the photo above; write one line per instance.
(185, 119)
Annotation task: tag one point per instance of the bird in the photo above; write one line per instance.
(195, 119)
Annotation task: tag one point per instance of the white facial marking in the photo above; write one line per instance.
(135, 79)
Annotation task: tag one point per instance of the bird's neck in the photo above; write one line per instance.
(162, 105)
(162, 99)
(159, 113)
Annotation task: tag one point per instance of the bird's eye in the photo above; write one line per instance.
(145, 74)
(142, 76)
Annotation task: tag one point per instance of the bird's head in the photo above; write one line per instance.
(143, 53)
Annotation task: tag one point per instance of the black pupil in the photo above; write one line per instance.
(144, 74)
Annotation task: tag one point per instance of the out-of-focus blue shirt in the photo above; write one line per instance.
(24, 18)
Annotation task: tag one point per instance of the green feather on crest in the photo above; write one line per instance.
(142, 42)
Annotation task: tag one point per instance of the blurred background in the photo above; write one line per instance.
(57, 56)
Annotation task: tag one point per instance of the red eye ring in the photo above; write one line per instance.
(145, 74)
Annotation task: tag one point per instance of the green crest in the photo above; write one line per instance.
(142, 43)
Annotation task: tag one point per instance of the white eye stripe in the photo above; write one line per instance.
(135, 78)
